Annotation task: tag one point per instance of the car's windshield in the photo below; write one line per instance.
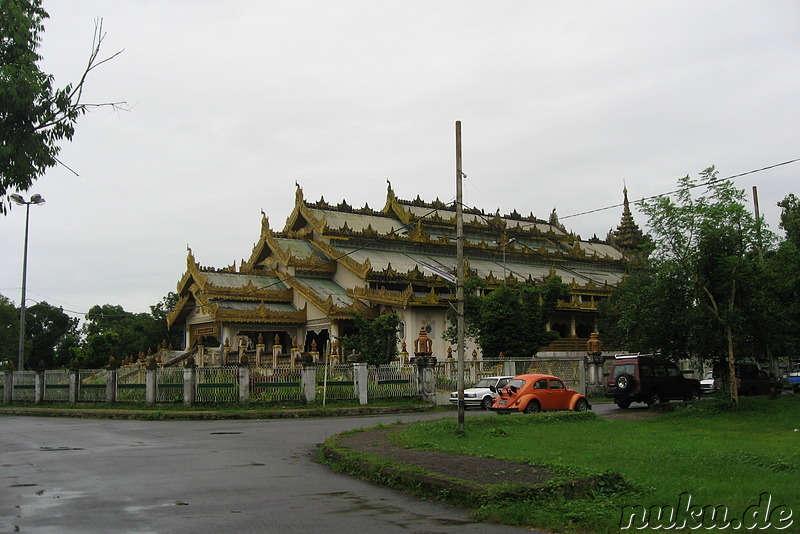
(485, 382)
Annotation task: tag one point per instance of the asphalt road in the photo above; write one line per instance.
(101, 476)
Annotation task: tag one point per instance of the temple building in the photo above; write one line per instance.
(300, 285)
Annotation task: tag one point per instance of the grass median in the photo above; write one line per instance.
(731, 468)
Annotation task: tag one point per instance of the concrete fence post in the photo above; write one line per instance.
(150, 386)
(111, 385)
(8, 387)
(360, 375)
(73, 387)
(308, 380)
(244, 384)
(38, 387)
(189, 385)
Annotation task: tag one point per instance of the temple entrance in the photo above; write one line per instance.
(562, 329)
(583, 330)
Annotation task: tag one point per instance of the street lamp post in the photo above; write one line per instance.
(35, 199)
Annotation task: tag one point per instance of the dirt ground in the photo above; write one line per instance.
(470, 468)
(475, 469)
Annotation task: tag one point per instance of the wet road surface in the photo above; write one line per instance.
(99, 476)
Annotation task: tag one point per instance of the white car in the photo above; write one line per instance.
(479, 395)
(707, 384)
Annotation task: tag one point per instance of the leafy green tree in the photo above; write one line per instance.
(49, 333)
(95, 352)
(650, 311)
(710, 240)
(510, 319)
(9, 331)
(159, 312)
(790, 218)
(375, 339)
(35, 116)
(137, 332)
(782, 268)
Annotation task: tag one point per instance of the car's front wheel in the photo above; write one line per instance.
(533, 407)
(486, 403)
(695, 396)
(582, 405)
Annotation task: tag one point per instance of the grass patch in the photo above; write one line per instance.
(717, 454)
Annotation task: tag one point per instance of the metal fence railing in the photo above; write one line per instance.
(56, 385)
(169, 384)
(92, 385)
(279, 384)
(217, 384)
(336, 382)
(385, 381)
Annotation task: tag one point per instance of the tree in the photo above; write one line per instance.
(783, 270)
(510, 319)
(375, 340)
(159, 313)
(35, 116)
(49, 334)
(95, 352)
(790, 218)
(650, 311)
(9, 331)
(136, 332)
(710, 239)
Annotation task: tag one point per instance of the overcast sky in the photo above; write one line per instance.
(233, 102)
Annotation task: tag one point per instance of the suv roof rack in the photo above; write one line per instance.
(636, 355)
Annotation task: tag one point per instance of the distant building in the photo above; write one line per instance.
(300, 285)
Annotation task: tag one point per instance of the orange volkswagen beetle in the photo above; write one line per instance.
(532, 393)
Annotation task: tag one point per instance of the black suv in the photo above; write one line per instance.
(648, 379)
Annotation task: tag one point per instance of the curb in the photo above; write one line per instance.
(205, 415)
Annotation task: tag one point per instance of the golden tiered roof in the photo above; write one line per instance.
(342, 259)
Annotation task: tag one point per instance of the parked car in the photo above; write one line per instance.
(483, 393)
(794, 378)
(532, 393)
(648, 379)
(750, 380)
(707, 384)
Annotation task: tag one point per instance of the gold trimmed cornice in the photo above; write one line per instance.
(325, 305)
(361, 270)
(385, 296)
(179, 309)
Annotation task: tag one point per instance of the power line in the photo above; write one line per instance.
(684, 189)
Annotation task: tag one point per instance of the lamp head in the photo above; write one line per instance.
(17, 199)
(37, 199)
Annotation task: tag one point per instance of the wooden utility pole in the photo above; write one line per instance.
(758, 224)
(460, 280)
